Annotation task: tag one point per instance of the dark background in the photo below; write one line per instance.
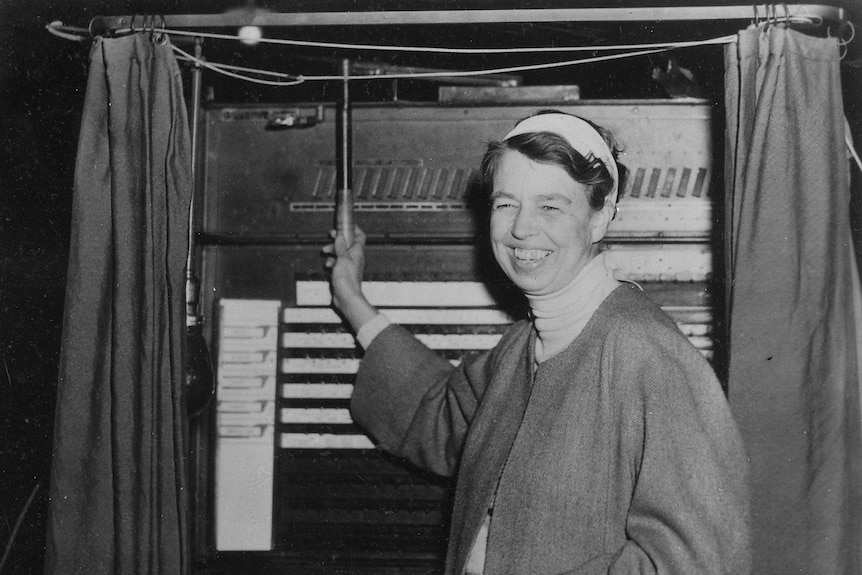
(42, 84)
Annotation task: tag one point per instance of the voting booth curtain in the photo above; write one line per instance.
(118, 503)
(793, 373)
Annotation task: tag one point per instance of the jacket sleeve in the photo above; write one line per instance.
(689, 511)
(415, 403)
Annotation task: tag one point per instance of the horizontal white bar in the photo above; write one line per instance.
(479, 341)
(310, 315)
(324, 441)
(245, 344)
(242, 332)
(410, 294)
(317, 390)
(243, 384)
(315, 415)
(246, 369)
(247, 419)
(347, 341)
(261, 431)
(242, 356)
(427, 316)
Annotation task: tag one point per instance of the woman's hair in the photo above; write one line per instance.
(550, 148)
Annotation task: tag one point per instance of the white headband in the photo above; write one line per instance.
(580, 135)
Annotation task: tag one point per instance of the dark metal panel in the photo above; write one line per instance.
(415, 169)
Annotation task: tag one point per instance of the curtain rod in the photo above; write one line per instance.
(409, 17)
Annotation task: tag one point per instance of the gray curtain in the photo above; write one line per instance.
(793, 374)
(118, 498)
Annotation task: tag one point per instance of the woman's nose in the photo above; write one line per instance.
(524, 224)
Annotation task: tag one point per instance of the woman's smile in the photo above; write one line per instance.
(530, 257)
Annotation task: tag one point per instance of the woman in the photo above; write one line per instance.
(592, 439)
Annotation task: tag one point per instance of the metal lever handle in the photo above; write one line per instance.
(344, 198)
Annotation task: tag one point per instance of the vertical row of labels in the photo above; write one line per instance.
(245, 407)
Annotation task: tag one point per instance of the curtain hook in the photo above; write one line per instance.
(162, 36)
(756, 20)
(132, 23)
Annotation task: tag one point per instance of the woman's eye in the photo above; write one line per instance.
(501, 205)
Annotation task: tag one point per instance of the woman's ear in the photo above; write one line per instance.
(600, 221)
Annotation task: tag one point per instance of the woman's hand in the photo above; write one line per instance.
(347, 266)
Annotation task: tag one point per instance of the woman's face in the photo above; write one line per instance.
(543, 231)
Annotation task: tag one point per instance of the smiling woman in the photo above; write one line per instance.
(550, 203)
(593, 437)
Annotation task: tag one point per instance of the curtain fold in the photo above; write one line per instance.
(793, 373)
(118, 498)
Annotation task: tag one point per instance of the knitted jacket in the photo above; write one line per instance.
(619, 455)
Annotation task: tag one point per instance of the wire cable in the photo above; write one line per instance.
(72, 33)
(18, 523)
(435, 49)
(226, 70)
(288, 80)
(299, 78)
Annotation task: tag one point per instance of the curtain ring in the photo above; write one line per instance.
(132, 23)
(161, 37)
(756, 20)
(771, 15)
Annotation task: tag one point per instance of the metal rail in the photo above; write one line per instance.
(425, 17)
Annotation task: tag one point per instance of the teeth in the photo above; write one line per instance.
(530, 255)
